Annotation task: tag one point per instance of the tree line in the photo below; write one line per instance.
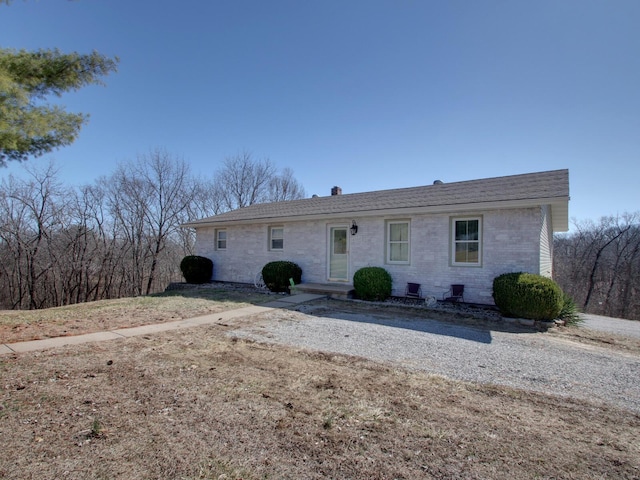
(598, 265)
(119, 236)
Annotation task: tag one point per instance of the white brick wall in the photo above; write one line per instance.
(511, 242)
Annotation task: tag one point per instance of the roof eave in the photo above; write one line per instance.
(560, 219)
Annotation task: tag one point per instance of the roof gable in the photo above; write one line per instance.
(542, 188)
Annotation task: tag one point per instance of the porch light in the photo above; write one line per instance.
(354, 227)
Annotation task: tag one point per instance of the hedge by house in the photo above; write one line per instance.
(372, 283)
(527, 295)
(276, 275)
(196, 269)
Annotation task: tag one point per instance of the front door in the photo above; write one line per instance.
(338, 254)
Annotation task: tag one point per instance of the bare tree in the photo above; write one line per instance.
(285, 187)
(599, 265)
(607, 238)
(243, 181)
(89, 252)
(120, 236)
(150, 198)
(207, 201)
(30, 213)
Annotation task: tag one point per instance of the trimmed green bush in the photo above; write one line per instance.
(372, 283)
(276, 275)
(527, 295)
(196, 269)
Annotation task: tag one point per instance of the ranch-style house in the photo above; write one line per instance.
(437, 235)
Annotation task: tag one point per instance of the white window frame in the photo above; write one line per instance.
(390, 242)
(273, 237)
(220, 240)
(455, 242)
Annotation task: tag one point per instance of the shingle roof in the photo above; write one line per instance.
(541, 188)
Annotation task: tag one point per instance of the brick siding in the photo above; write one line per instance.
(511, 241)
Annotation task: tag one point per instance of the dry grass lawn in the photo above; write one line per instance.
(23, 325)
(197, 404)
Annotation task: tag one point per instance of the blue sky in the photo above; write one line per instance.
(364, 94)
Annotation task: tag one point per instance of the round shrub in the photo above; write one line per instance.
(196, 269)
(372, 283)
(527, 295)
(276, 275)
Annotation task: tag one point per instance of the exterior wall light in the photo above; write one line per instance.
(354, 227)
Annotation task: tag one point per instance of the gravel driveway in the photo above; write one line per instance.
(619, 326)
(477, 353)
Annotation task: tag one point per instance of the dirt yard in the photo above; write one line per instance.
(198, 404)
(20, 326)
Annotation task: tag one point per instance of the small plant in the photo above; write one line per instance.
(569, 311)
(196, 269)
(327, 424)
(96, 428)
(276, 275)
(527, 295)
(372, 283)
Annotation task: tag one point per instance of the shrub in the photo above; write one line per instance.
(569, 311)
(196, 269)
(527, 295)
(276, 275)
(372, 283)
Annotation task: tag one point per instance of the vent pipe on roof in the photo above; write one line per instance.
(437, 182)
(336, 191)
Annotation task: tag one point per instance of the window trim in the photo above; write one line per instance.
(272, 238)
(218, 239)
(453, 242)
(388, 242)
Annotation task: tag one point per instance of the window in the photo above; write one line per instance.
(466, 234)
(276, 238)
(339, 241)
(398, 242)
(221, 239)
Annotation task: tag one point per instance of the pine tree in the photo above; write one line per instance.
(29, 126)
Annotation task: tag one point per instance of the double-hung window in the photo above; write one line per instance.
(398, 242)
(466, 235)
(221, 239)
(276, 238)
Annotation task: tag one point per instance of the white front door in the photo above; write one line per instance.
(338, 254)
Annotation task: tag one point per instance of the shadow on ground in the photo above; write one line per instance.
(450, 322)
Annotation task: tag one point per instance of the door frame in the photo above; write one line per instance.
(331, 228)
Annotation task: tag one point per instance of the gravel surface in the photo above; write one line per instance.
(619, 326)
(477, 353)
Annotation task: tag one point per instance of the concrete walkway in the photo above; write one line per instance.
(214, 318)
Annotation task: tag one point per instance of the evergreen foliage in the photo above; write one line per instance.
(28, 125)
(527, 295)
(196, 269)
(276, 275)
(372, 283)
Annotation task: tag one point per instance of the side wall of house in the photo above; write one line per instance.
(248, 250)
(546, 242)
(511, 242)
